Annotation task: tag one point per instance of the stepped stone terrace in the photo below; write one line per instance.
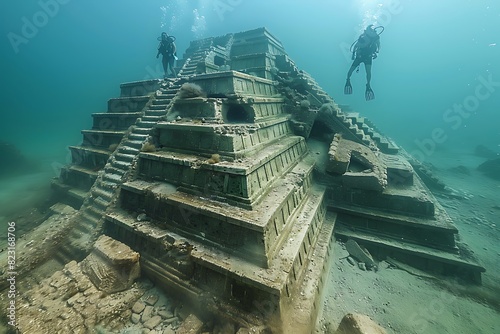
(232, 180)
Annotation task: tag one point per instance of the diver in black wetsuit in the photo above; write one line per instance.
(168, 50)
(364, 50)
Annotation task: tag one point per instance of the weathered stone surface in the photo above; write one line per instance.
(169, 330)
(135, 318)
(153, 322)
(191, 325)
(359, 253)
(354, 323)
(369, 171)
(151, 300)
(138, 307)
(165, 314)
(112, 266)
(66, 309)
(147, 313)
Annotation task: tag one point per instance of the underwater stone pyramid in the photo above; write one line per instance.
(229, 180)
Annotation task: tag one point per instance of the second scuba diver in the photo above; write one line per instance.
(168, 50)
(364, 50)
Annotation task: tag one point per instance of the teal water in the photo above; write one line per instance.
(436, 80)
(62, 60)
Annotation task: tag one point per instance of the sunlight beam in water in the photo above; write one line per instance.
(173, 13)
(373, 12)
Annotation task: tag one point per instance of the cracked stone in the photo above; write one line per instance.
(135, 318)
(138, 307)
(151, 300)
(153, 322)
(148, 312)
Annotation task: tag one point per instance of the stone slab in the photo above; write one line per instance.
(112, 266)
(354, 323)
(234, 83)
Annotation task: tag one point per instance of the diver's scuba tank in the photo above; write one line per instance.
(169, 39)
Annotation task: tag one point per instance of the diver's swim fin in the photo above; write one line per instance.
(348, 87)
(369, 94)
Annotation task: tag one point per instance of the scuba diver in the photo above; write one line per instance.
(364, 50)
(168, 50)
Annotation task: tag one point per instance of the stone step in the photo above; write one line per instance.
(278, 156)
(165, 93)
(78, 176)
(169, 94)
(437, 232)
(158, 113)
(128, 150)
(113, 178)
(94, 211)
(125, 157)
(138, 136)
(137, 144)
(421, 257)
(107, 185)
(100, 192)
(123, 165)
(367, 129)
(165, 98)
(90, 157)
(101, 203)
(146, 124)
(72, 196)
(150, 118)
(377, 137)
(61, 209)
(159, 107)
(82, 226)
(115, 170)
(366, 139)
(188, 72)
(141, 131)
(90, 218)
(63, 255)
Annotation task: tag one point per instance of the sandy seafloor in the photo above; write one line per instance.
(397, 300)
(403, 303)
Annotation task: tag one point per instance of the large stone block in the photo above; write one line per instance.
(233, 83)
(354, 323)
(139, 88)
(357, 164)
(112, 266)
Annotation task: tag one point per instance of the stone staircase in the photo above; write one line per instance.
(99, 143)
(385, 144)
(245, 227)
(355, 129)
(96, 178)
(195, 57)
(231, 212)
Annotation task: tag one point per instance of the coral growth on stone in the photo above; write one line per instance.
(215, 158)
(148, 147)
(190, 90)
(112, 147)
